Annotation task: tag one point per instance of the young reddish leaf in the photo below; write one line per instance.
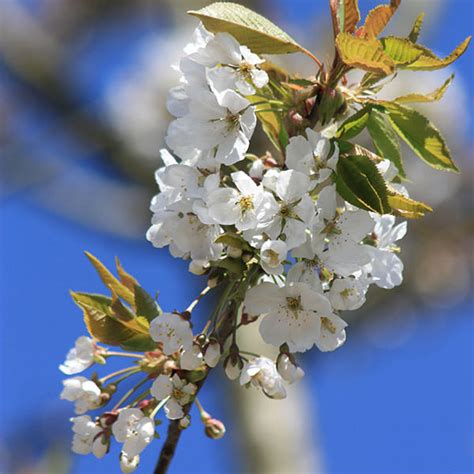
(415, 31)
(377, 19)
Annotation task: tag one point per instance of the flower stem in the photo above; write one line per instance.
(121, 371)
(123, 354)
(130, 392)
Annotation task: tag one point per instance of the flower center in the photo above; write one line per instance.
(245, 68)
(233, 121)
(328, 324)
(245, 203)
(294, 304)
(272, 257)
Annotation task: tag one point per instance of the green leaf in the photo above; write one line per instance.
(109, 280)
(234, 265)
(407, 207)
(428, 61)
(431, 97)
(139, 343)
(354, 124)
(385, 139)
(110, 322)
(248, 28)
(145, 305)
(125, 278)
(415, 31)
(377, 19)
(366, 54)
(120, 311)
(359, 182)
(420, 135)
(401, 50)
(97, 318)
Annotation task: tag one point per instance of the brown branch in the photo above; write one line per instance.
(174, 431)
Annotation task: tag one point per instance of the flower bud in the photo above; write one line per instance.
(288, 370)
(214, 429)
(233, 366)
(198, 267)
(128, 465)
(212, 354)
(100, 446)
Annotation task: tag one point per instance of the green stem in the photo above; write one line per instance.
(119, 372)
(130, 392)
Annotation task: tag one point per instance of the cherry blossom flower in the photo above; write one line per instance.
(262, 373)
(272, 254)
(293, 314)
(86, 437)
(80, 357)
(348, 293)
(83, 392)
(134, 430)
(172, 331)
(311, 155)
(243, 207)
(179, 391)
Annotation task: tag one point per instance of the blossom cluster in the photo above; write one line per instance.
(289, 253)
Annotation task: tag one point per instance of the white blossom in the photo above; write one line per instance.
(191, 358)
(80, 357)
(83, 392)
(232, 66)
(179, 391)
(172, 331)
(294, 314)
(86, 437)
(347, 293)
(243, 207)
(262, 373)
(337, 235)
(311, 155)
(385, 268)
(294, 214)
(134, 430)
(225, 126)
(272, 254)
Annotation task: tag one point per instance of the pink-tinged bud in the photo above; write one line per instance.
(107, 419)
(212, 354)
(309, 104)
(296, 117)
(144, 404)
(214, 429)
